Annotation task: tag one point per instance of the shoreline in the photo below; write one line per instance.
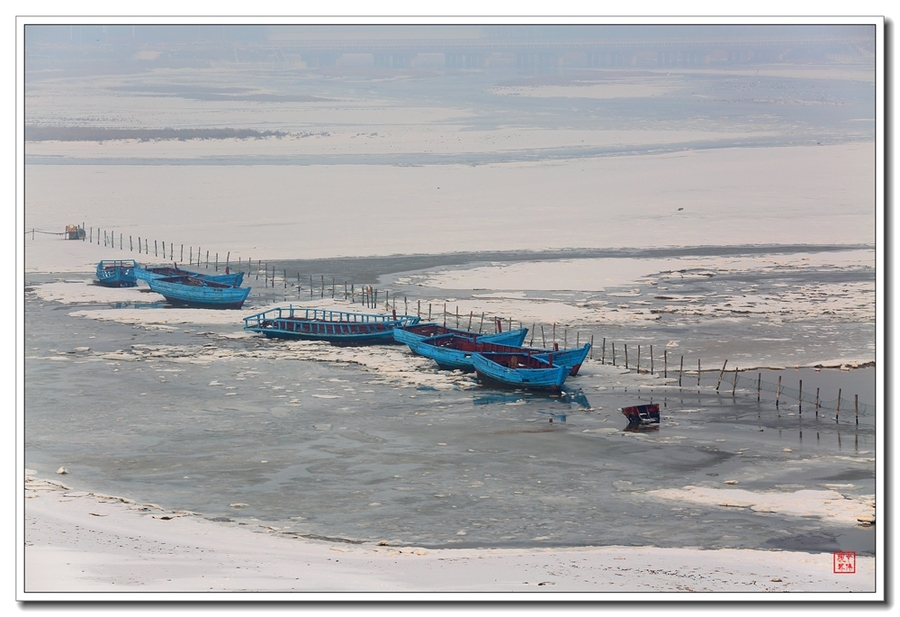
(77, 542)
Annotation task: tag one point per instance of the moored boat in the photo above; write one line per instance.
(148, 273)
(116, 273)
(336, 327)
(519, 370)
(419, 331)
(199, 293)
(452, 351)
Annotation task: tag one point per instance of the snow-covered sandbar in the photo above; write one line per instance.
(78, 542)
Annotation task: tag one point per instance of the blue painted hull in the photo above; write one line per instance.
(416, 333)
(335, 327)
(234, 279)
(116, 273)
(199, 293)
(453, 352)
(446, 358)
(527, 372)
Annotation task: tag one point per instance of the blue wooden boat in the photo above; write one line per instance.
(199, 293)
(452, 351)
(519, 370)
(415, 333)
(116, 273)
(335, 327)
(147, 273)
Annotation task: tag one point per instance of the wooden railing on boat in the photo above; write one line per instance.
(324, 320)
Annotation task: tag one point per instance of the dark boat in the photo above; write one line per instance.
(639, 415)
(199, 293)
(148, 273)
(116, 273)
(519, 370)
(336, 327)
(452, 351)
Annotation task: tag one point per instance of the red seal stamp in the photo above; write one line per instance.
(844, 562)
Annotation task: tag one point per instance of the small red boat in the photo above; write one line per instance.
(642, 414)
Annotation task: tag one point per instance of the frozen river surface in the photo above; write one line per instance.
(374, 444)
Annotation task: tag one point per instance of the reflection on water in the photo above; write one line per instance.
(568, 397)
(138, 305)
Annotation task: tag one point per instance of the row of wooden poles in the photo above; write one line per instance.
(368, 297)
(722, 377)
(108, 238)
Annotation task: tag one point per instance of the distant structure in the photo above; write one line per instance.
(74, 232)
(528, 49)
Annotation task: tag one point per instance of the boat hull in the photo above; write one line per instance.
(453, 352)
(419, 332)
(335, 327)
(530, 373)
(641, 415)
(199, 293)
(117, 273)
(447, 359)
(234, 279)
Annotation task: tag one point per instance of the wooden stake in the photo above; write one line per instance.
(626, 356)
(651, 359)
(681, 371)
(817, 402)
(734, 384)
(837, 410)
(722, 372)
(800, 399)
(543, 340)
(856, 407)
(698, 372)
(603, 351)
(758, 385)
(665, 363)
(778, 392)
